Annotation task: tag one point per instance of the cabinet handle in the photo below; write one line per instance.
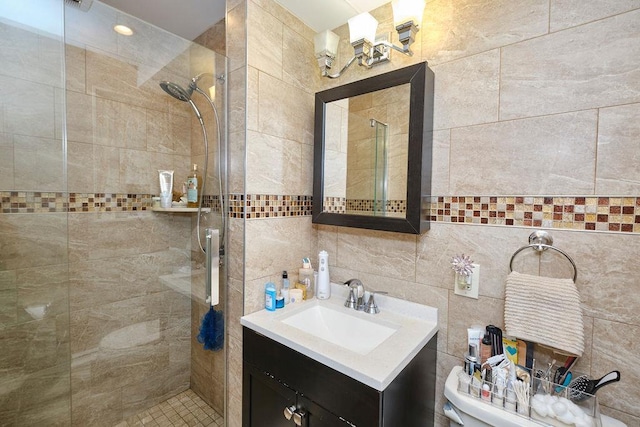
(299, 417)
(289, 411)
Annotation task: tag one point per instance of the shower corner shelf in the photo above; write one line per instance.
(180, 210)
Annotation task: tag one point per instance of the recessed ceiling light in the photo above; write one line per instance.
(123, 29)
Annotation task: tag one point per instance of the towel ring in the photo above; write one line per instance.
(541, 241)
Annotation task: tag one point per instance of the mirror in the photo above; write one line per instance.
(372, 152)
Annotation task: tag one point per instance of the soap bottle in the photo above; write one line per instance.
(194, 187)
(323, 286)
(270, 296)
(285, 287)
(305, 279)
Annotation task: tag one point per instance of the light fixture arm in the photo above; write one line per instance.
(339, 73)
(406, 49)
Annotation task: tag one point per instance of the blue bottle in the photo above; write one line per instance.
(270, 296)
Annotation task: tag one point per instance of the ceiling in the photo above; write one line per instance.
(186, 18)
(190, 18)
(328, 14)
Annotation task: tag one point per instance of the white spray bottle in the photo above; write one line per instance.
(323, 287)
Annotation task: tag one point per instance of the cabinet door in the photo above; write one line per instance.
(264, 400)
(317, 416)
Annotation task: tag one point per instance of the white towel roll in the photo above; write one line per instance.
(544, 310)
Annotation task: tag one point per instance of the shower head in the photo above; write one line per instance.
(177, 91)
(83, 5)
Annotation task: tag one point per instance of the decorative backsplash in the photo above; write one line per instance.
(590, 213)
(342, 205)
(41, 202)
(269, 206)
(334, 205)
(576, 213)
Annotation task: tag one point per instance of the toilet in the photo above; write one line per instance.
(465, 410)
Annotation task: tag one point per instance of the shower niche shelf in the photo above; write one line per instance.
(180, 210)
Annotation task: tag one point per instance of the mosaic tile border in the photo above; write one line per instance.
(343, 205)
(269, 206)
(366, 205)
(33, 202)
(41, 202)
(588, 213)
(334, 205)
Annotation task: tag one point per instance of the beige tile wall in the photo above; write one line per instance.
(335, 169)
(532, 97)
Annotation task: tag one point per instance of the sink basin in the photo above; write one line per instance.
(350, 331)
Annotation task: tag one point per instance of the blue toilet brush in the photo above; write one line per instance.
(212, 330)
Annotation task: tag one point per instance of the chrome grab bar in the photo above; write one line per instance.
(212, 256)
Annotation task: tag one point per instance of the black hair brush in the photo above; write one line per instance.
(582, 387)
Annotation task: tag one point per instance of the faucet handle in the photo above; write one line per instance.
(372, 307)
(351, 301)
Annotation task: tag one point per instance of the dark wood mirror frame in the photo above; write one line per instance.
(416, 221)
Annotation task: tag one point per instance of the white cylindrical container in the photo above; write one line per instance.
(323, 287)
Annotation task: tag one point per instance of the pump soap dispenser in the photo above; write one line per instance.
(194, 188)
(305, 279)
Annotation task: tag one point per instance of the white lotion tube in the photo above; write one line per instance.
(323, 287)
(474, 336)
(166, 187)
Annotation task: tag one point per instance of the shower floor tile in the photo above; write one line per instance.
(184, 409)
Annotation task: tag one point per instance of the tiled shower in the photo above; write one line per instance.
(100, 297)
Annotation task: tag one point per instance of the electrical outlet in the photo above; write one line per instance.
(471, 289)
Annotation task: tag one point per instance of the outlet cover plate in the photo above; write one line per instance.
(475, 284)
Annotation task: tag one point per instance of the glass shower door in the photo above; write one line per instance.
(34, 272)
(101, 298)
(137, 292)
(380, 172)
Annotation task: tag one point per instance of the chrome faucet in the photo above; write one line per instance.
(355, 299)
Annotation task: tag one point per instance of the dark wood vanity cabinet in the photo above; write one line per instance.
(269, 398)
(276, 377)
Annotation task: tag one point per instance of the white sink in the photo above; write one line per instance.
(340, 327)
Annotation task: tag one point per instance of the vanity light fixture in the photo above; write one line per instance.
(123, 29)
(369, 49)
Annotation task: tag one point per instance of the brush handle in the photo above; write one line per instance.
(569, 362)
(565, 382)
(611, 377)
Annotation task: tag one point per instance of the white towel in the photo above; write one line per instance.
(544, 310)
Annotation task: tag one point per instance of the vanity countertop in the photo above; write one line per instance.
(415, 325)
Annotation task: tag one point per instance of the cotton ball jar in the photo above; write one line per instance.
(561, 409)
